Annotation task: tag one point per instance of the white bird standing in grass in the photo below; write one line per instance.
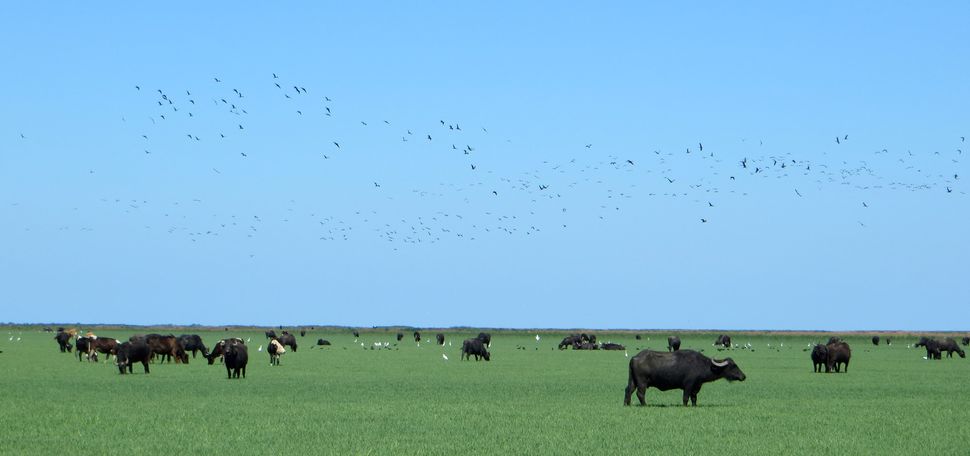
(444, 356)
(537, 338)
(260, 348)
(626, 354)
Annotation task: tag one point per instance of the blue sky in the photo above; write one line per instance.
(112, 213)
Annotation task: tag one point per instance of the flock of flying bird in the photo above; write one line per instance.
(484, 197)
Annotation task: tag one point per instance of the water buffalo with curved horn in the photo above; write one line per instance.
(686, 370)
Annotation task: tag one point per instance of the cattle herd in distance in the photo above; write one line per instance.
(686, 370)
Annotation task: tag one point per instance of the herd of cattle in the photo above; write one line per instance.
(686, 370)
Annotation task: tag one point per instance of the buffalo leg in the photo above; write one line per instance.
(628, 393)
(229, 372)
(244, 371)
(642, 394)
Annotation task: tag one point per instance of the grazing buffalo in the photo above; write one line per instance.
(356, 334)
(673, 343)
(417, 336)
(474, 347)
(723, 341)
(105, 345)
(638, 337)
(323, 342)
(486, 339)
(965, 340)
(838, 355)
(612, 346)
(687, 370)
(136, 351)
(275, 351)
(570, 341)
(193, 343)
(167, 347)
(219, 350)
(949, 346)
(875, 340)
(288, 340)
(302, 333)
(820, 356)
(932, 347)
(236, 357)
(439, 338)
(833, 340)
(270, 334)
(400, 336)
(83, 346)
(64, 341)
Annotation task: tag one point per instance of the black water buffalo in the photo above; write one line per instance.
(83, 346)
(723, 341)
(570, 341)
(236, 357)
(612, 346)
(833, 340)
(323, 342)
(131, 352)
(486, 339)
(875, 340)
(965, 340)
(288, 340)
(193, 343)
(302, 333)
(949, 345)
(687, 370)
(417, 336)
(356, 334)
(838, 355)
(167, 347)
(673, 343)
(820, 355)
(270, 334)
(638, 337)
(105, 345)
(439, 338)
(932, 347)
(474, 347)
(219, 349)
(63, 341)
(400, 336)
(585, 346)
(592, 338)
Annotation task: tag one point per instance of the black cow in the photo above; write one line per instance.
(592, 338)
(167, 347)
(820, 356)
(585, 346)
(932, 347)
(612, 346)
(219, 349)
(63, 341)
(440, 338)
(417, 336)
(687, 370)
(839, 354)
(271, 334)
(875, 340)
(323, 342)
(570, 341)
(356, 334)
(83, 346)
(949, 346)
(288, 340)
(474, 347)
(833, 340)
(723, 341)
(302, 333)
(236, 357)
(193, 343)
(486, 339)
(131, 352)
(673, 343)
(400, 336)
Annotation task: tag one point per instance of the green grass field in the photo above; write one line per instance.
(408, 400)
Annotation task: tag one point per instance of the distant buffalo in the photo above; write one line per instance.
(673, 343)
(193, 343)
(104, 345)
(833, 340)
(686, 370)
(474, 347)
(82, 344)
(417, 336)
(585, 346)
(302, 333)
(63, 341)
(323, 342)
(949, 346)
(439, 338)
(723, 341)
(875, 340)
(965, 340)
(612, 346)
(839, 354)
(270, 334)
(486, 339)
(356, 334)
(288, 340)
(276, 351)
(932, 347)
(131, 352)
(400, 336)
(236, 358)
(820, 356)
(638, 337)
(570, 341)
(167, 347)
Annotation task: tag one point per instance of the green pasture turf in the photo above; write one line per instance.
(346, 399)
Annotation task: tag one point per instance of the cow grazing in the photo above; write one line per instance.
(820, 356)
(570, 341)
(439, 338)
(105, 345)
(82, 344)
(288, 340)
(400, 336)
(193, 343)
(875, 340)
(723, 341)
(64, 341)
(136, 351)
(612, 346)
(949, 345)
(965, 340)
(838, 355)
(236, 357)
(686, 370)
(932, 347)
(673, 343)
(275, 351)
(167, 347)
(323, 342)
(486, 339)
(417, 336)
(474, 347)
(270, 334)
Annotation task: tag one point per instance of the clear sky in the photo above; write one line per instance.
(590, 203)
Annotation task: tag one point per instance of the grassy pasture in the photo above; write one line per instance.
(346, 399)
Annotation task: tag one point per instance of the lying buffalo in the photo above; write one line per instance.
(820, 356)
(131, 352)
(839, 354)
(723, 341)
(687, 370)
(673, 343)
(474, 347)
(439, 338)
(612, 346)
(323, 342)
(236, 358)
(875, 340)
(193, 343)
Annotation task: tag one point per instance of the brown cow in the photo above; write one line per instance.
(104, 345)
(167, 347)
